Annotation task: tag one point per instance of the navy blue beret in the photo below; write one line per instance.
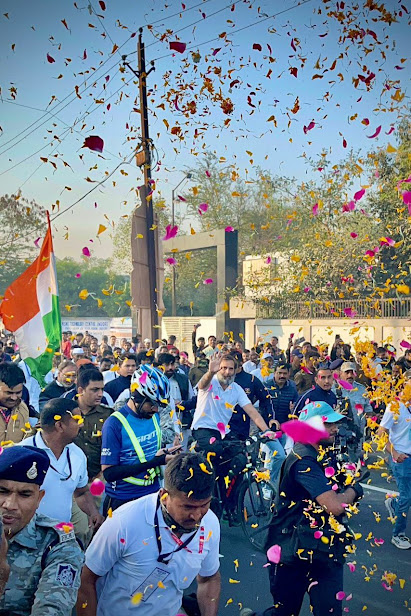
(25, 464)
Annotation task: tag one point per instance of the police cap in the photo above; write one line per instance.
(25, 464)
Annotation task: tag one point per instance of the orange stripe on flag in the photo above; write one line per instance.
(20, 302)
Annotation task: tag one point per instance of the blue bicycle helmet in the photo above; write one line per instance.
(151, 383)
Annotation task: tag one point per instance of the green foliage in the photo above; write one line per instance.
(113, 291)
(21, 223)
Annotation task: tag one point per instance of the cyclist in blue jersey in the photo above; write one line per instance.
(131, 453)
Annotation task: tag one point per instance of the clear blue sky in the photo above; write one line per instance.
(35, 28)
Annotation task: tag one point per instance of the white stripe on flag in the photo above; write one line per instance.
(46, 288)
(31, 338)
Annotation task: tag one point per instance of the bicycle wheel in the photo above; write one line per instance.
(255, 501)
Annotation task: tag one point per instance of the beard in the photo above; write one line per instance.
(225, 380)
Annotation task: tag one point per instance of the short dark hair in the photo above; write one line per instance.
(142, 356)
(201, 339)
(126, 356)
(212, 336)
(190, 473)
(107, 353)
(312, 354)
(172, 337)
(60, 407)
(283, 366)
(11, 374)
(237, 355)
(86, 374)
(166, 358)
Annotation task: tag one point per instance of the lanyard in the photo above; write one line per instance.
(5, 417)
(52, 467)
(165, 558)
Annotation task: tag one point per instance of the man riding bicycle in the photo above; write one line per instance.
(218, 395)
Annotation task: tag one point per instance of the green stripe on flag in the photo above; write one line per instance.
(41, 365)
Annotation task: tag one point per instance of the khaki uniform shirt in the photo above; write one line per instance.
(89, 437)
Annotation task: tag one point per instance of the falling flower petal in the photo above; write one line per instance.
(86, 252)
(377, 132)
(97, 487)
(202, 208)
(405, 344)
(329, 471)
(78, 275)
(94, 143)
(221, 428)
(309, 127)
(50, 59)
(143, 378)
(170, 232)
(274, 554)
(212, 440)
(268, 260)
(306, 432)
(358, 195)
(318, 534)
(350, 313)
(36, 242)
(178, 46)
(351, 567)
(171, 261)
(315, 209)
(208, 281)
(345, 384)
(354, 235)
(229, 229)
(340, 595)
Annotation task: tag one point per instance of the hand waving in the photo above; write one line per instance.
(214, 365)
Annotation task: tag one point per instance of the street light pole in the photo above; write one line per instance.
(173, 271)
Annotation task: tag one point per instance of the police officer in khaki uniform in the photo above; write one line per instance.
(44, 558)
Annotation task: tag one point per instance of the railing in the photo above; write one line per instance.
(334, 309)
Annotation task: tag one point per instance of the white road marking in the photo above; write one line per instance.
(377, 489)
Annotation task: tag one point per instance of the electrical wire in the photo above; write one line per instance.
(237, 30)
(85, 81)
(69, 207)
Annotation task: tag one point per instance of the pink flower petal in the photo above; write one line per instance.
(94, 143)
(351, 567)
(36, 242)
(208, 174)
(345, 384)
(340, 595)
(50, 59)
(97, 487)
(208, 281)
(304, 431)
(274, 554)
(86, 252)
(221, 428)
(334, 487)
(212, 440)
(229, 229)
(406, 197)
(377, 132)
(309, 127)
(143, 378)
(78, 275)
(178, 46)
(359, 195)
(350, 313)
(318, 534)
(171, 261)
(405, 344)
(315, 209)
(329, 471)
(354, 235)
(359, 408)
(171, 232)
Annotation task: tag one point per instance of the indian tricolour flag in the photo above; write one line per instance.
(30, 309)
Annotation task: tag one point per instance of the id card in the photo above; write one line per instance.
(150, 584)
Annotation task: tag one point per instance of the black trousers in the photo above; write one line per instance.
(289, 583)
(229, 457)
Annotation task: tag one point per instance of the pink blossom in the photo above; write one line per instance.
(274, 554)
(359, 195)
(229, 229)
(171, 232)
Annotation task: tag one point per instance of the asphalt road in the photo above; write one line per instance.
(369, 597)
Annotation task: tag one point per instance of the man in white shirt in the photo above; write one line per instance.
(265, 370)
(218, 395)
(147, 565)
(60, 422)
(252, 363)
(397, 425)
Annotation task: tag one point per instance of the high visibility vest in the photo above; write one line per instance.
(152, 472)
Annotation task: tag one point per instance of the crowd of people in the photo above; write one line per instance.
(108, 472)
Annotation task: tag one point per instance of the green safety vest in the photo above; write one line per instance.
(152, 472)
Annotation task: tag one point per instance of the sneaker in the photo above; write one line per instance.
(401, 541)
(390, 508)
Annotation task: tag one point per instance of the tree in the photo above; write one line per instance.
(21, 223)
(95, 293)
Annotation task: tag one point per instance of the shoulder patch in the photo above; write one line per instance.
(64, 537)
(66, 575)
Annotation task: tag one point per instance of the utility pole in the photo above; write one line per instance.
(187, 176)
(145, 266)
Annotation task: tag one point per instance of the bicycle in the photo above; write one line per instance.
(256, 493)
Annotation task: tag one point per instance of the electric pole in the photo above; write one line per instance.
(144, 276)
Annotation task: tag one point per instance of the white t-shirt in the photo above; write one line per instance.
(399, 427)
(124, 554)
(58, 498)
(258, 375)
(216, 405)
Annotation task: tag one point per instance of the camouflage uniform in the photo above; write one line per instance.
(45, 567)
